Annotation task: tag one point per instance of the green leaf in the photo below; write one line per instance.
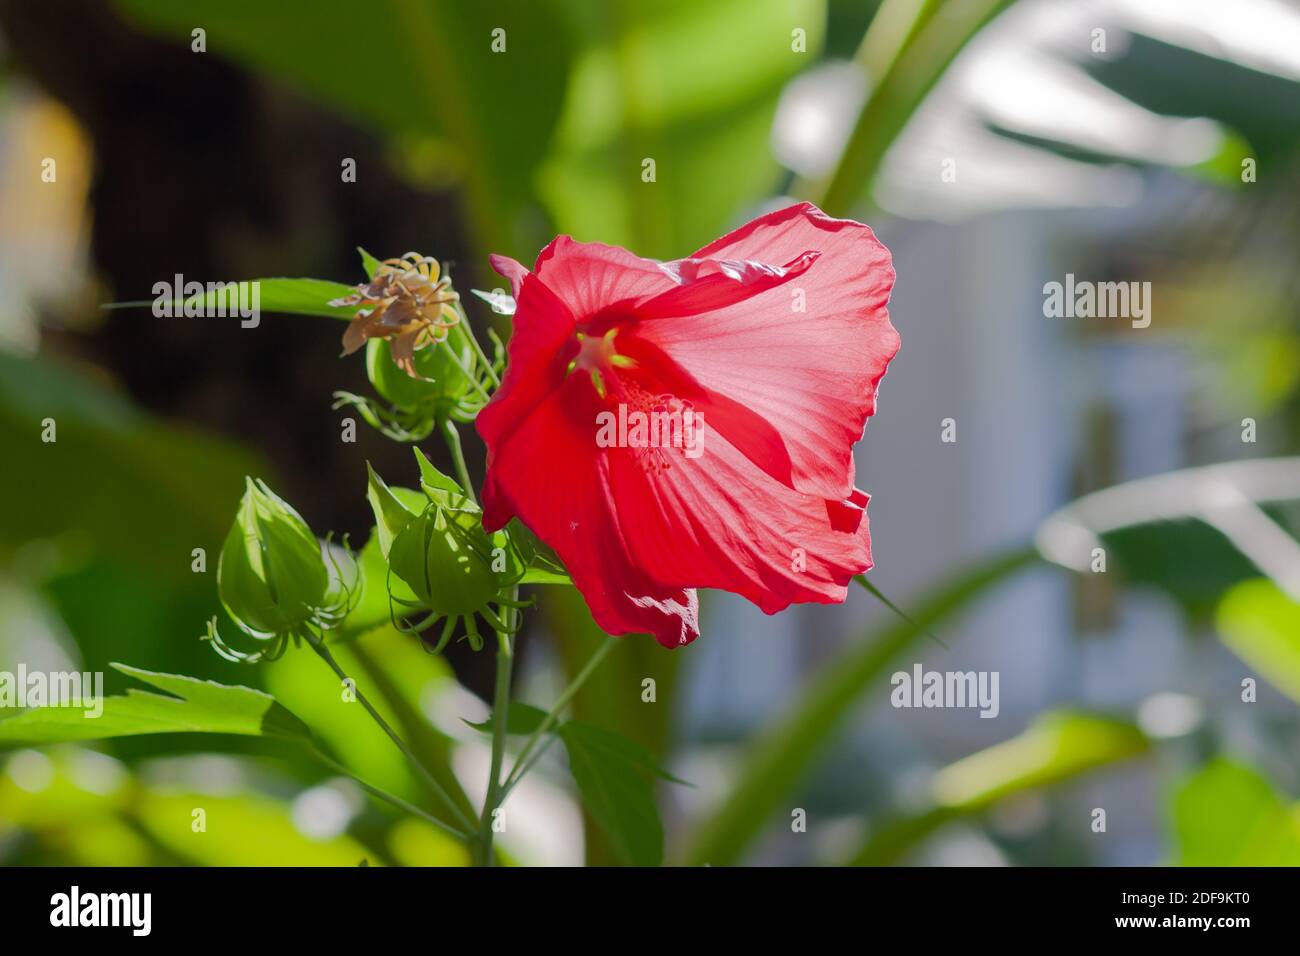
(540, 575)
(904, 67)
(615, 777)
(1261, 625)
(440, 488)
(1226, 814)
(613, 746)
(1261, 106)
(607, 702)
(520, 719)
(1188, 560)
(543, 567)
(196, 706)
(294, 296)
(391, 514)
(369, 263)
(1055, 748)
(784, 752)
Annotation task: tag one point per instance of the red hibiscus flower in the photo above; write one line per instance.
(667, 426)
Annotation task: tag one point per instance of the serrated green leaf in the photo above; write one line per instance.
(189, 706)
(617, 787)
(521, 719)
(615, 777)
(613, 746)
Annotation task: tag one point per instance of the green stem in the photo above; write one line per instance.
(478, 349)
(446, 344)
(521, 769)
(553, 716)
(389, 798)
(431, 747)
(451, 434)
(500, 719)
(318, 645)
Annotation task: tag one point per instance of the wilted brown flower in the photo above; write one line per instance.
(407, 301)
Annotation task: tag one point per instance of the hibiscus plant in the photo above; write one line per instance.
(652, 428)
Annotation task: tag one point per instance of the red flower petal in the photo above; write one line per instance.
(543, 324)
(595, 277)
(549, 475)
(720, 522)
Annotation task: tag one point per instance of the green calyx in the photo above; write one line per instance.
(272, 577)
(444, 562)
(452, 383)
(442, 384)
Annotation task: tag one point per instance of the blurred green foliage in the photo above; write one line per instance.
(1227, 814)
(1261, 624)
(425, 72)
(1056, 748)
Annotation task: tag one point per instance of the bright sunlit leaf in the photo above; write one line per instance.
(188, 706)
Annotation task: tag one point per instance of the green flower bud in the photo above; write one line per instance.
(507, 561)
(272, 577)
(444, 563)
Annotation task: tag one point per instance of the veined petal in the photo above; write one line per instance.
(595, 277)
(554, 479)
(719, 521)
(706, 284)
(773, 339)
(808, 356)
